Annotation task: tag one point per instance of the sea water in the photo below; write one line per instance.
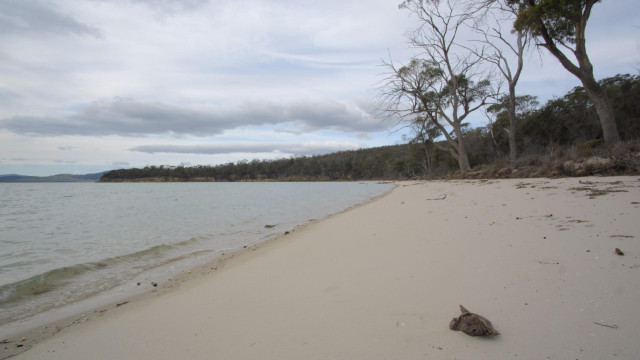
(61, 243)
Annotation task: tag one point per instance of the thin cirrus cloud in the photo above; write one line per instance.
(171, 6)
(316, 148)
(127, 117)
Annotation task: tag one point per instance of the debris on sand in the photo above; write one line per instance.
(472, 324)
(606, 325)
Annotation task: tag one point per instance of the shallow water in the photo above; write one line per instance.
(61, 243)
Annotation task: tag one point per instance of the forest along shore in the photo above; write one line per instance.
(553, 264)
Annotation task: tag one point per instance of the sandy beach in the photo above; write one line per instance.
(383, 281)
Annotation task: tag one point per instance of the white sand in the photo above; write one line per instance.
(382, 281)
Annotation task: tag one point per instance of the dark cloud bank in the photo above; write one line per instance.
(128, 117)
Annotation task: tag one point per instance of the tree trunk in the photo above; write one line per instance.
(463, 159)
(604, 109)
(513, 150)
(596, 93)
(427, 163)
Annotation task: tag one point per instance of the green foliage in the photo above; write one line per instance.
(422, 77)
(572, 119)
(524, 104)
(479, 146)
(586, 148)
(468, 90)
(624, 92)
(559, 17)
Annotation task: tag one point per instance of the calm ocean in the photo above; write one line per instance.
(61, 243)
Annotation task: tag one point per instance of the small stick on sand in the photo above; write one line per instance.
(547, 262)
(442, 198)
(606, 325)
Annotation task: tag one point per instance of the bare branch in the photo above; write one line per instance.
(510, 66)
(449, 82)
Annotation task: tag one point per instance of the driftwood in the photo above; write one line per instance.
(442, 198)
(606, 325)
(472, 324)
(548, 262)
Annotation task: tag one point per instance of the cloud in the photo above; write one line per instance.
(172, 6)
(60, 161)
(128, 117)
(8, 97)
(20, 16)
(329, 60)
(308, 148)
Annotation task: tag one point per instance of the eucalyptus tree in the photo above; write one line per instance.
(560, 27)
(448, 82)
(506, 51)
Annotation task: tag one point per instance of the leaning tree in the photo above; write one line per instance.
(559, 26)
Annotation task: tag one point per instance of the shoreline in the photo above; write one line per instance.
(45, 325)
(383, 279)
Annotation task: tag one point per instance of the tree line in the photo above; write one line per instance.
(570, 121)
(388, 162)
(563, 124)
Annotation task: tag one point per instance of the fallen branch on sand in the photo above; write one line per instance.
(442, 198)
(606, 325)
(405, 185)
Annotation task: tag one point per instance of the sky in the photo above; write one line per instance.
(93, 85)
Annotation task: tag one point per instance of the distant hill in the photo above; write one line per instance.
(12, 177)
(53, 178)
